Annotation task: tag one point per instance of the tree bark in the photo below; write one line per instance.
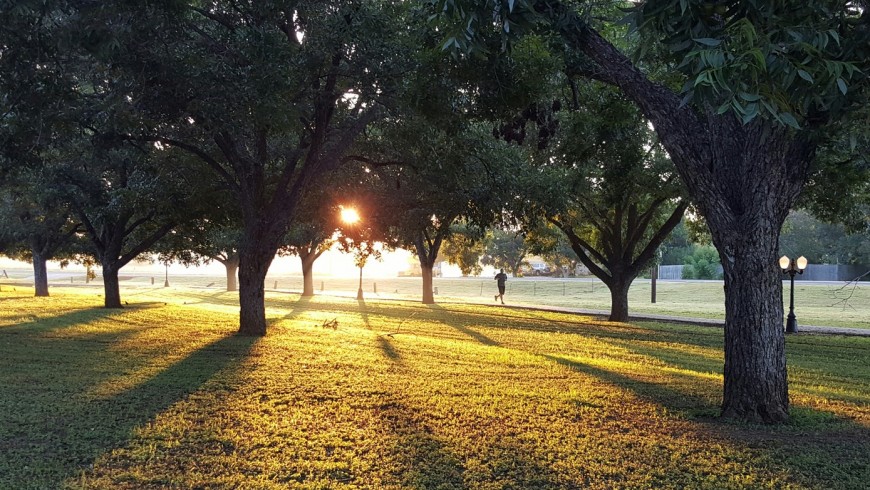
(619, 298)
(756, 387)
(307, 272)
(428, 291)
(427, 253)
(40, 275)
(111, 286)
(232, 274)
(759, 173)
(252, 293)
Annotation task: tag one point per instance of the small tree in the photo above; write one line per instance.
(506, 250)
(464, 248)
(703, 263)
(36, 225)
(363, 235)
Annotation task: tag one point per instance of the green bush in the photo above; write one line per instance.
(702, 264)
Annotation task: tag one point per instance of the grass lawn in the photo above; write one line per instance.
(826, 304)
(162, 394)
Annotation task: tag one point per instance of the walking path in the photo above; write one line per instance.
(706, 322)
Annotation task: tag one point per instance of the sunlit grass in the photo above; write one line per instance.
(826, 304)
(162, 394)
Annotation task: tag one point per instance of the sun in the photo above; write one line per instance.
(349, 215)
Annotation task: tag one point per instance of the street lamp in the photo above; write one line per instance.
(792, 267)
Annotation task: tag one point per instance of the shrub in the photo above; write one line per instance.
(703, 264)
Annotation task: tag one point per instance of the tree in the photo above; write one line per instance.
(677, 246)
(268, 95)
(761, 83)
(464, 247)
(311, 235)
(126, 201)
(611, 191)
(363, 233)
(506, 250)
(446, 176)
(36, 225)
(36, 96)
(823, 243)
(202, 240)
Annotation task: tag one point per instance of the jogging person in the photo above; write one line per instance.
(501, 277)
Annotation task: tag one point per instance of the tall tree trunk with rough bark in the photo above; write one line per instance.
(40, 274)
(757, 175)
(111, 286)
(253, 267)
(756, 387)
(619, 287)
(744, 178)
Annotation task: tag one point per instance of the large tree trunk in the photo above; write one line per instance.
(756, 387)
(619, 298)
(307, 273)
(758, 174)
(252, 278)
(40, 275)
(428, 291)
(111, 287)
(744, 179)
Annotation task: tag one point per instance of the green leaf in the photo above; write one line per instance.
(789, 120)
(749, 97)
(842, 85)
(751, 112)
(805, 75)
(707, 41)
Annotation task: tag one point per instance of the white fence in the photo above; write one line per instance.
(813, 272)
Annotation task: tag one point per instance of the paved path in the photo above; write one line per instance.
(707, 322)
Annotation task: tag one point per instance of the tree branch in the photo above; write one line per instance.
(145, 244)
(583, 251)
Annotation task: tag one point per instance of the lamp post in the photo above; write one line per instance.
(792, 267)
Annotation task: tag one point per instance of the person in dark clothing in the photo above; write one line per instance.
(501, 277)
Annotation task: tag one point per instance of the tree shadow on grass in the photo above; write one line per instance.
(34, 324)
(831, 454)
(661, 394)
(388, 349)
(65, 431)
(425, 460)
(218, 298)
(364, 313)
(457, 322)
(676, 355)
(297, 308)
